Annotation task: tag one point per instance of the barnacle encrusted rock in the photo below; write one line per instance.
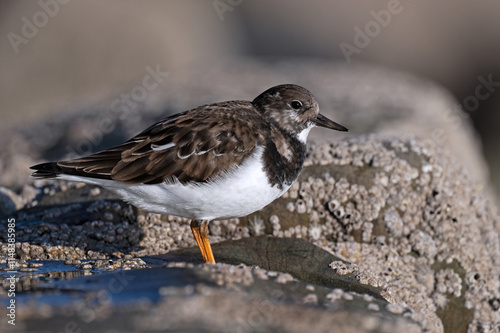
(401, 212)
(408, 218)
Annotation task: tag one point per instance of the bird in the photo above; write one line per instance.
(213, 162)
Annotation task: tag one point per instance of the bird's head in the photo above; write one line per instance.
(293, 109)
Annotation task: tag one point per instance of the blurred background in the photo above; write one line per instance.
(59, 55)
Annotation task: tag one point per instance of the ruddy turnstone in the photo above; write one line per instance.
(216, 161)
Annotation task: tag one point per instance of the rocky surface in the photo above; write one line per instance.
(210, 298)
(399, 214)
(381, 233)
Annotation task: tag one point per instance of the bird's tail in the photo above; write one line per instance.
(46, 170)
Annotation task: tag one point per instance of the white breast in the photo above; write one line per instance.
(242, 191)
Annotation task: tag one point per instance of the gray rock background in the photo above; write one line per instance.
(364, 98)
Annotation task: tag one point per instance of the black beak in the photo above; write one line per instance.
(323, 121)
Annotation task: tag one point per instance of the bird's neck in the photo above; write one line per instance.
(284, 156)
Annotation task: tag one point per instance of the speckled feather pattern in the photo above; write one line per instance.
(206, 142)
(220, 160)
(201, 143)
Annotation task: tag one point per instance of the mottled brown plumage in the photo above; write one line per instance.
(207, 141)
(216, 161)
(204, 143)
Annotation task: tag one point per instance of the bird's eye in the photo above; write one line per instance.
(296, 104)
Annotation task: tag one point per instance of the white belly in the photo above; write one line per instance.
(244, 191)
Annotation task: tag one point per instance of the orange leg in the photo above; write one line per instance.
(200, 233)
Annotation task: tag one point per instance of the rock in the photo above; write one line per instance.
(399, 214)
(212, 298)
(297, 257)
(403, 213)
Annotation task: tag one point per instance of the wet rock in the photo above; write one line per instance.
(108, 265)
(212, 298)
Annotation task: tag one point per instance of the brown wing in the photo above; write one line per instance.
(196, 145)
